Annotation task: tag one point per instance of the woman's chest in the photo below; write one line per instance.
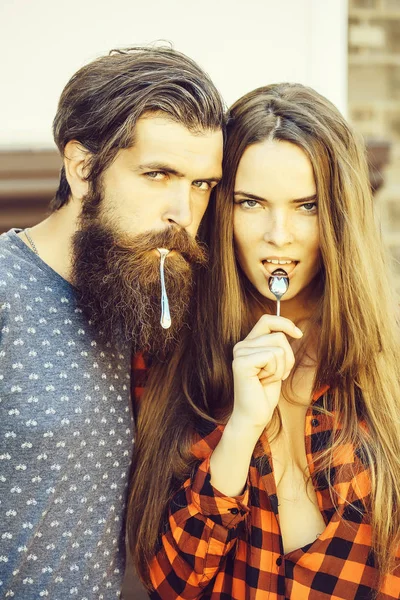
(299, 515)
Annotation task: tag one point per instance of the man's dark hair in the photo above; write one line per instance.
(102, 102)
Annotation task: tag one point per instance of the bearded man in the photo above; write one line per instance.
(141, 135)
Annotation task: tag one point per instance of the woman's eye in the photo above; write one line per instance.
(249, 203)
(310, 206)
(156, 175)
(204, 186)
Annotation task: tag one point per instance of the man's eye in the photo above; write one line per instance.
(204, 186)
(155, 175)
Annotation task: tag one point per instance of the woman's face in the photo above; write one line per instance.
(276, 217)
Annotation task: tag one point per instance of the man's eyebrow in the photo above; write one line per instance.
(312, 198)
(215, 179)
(155, 166)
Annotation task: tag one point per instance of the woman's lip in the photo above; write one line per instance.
(270, 267)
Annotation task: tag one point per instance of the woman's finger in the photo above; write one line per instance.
(266, 363)
(271, 323)
(271, 340)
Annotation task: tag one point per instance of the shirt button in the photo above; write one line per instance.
(234, 511)
(315, 422)
(279, 561)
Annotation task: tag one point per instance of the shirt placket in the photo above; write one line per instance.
(314, 424)
(268, 480)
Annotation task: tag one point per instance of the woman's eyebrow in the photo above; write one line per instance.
(312, 198)
(248, 195)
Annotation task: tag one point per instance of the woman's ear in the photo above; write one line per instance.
(76, 168)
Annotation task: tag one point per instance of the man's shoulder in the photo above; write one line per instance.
(10, 265)
(12, 251)
(13, 263)
(24, 278)
(6, 241)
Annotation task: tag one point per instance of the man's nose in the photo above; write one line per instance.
(179, 208)
(278, 231)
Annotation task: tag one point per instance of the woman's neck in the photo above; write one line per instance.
(300, 309)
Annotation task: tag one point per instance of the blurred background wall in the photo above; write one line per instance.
(349, 50)
(374, 104)
(241, 44)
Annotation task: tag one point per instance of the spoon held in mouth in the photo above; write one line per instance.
(165, 320)
(278, 284)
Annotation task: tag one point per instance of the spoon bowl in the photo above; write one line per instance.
(278, 284)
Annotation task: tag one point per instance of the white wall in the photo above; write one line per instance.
(243, 44)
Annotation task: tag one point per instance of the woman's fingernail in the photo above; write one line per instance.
(299, 331)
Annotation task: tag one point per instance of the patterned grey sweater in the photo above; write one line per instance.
(66, 434)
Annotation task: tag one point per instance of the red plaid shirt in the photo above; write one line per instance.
(222, 548)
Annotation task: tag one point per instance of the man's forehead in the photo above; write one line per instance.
(160, 139)
(158, 127)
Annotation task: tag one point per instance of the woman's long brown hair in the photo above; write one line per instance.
(358, 351)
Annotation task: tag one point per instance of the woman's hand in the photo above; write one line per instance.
(260, 363)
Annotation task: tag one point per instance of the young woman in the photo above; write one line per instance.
(278, 475)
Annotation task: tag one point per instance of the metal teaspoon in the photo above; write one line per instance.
(165, 320)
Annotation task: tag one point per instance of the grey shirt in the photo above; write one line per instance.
(66, 434)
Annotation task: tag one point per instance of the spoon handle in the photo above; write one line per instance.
(165, 320)
(278, 308)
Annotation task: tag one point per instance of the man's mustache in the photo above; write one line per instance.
(178, 240)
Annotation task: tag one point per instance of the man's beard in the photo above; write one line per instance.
(118, 283)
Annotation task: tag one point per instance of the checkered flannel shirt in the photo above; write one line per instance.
(222, 548)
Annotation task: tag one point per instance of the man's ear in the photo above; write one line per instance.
(76, 168)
